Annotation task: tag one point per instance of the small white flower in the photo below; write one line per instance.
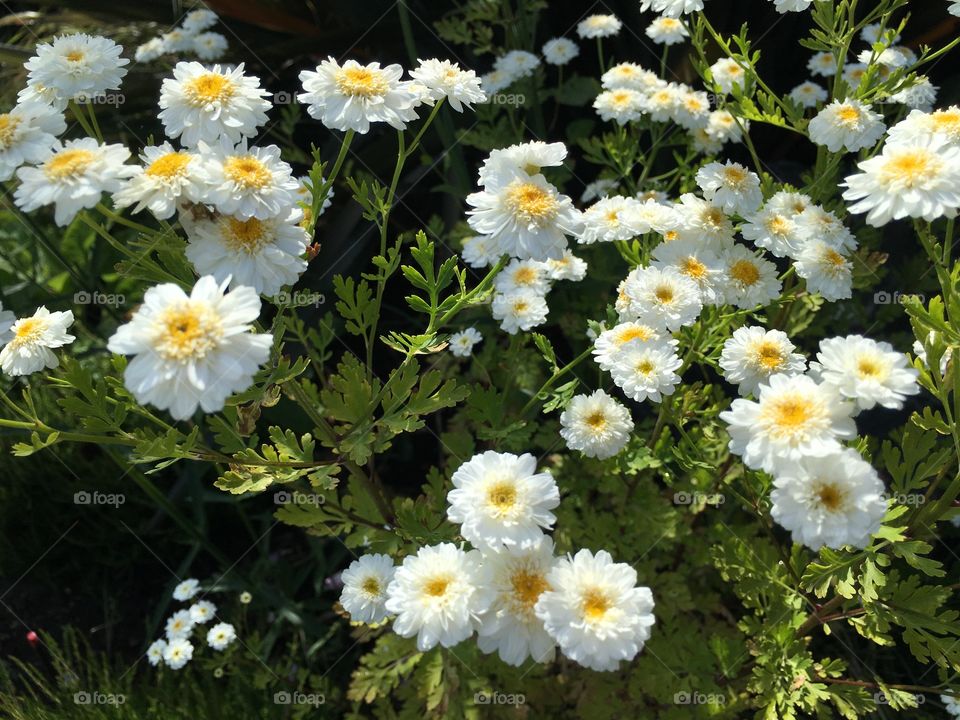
(178, 653)
(834, 500)
(728, 74)
(750, 279)
(7, 319)
(631, 76)
(724, 127)
(517, 64)
(621, 105)
(696, 262)
(661, 297)
(569, 267)
(177, 41)
(248, 182)
(155, 652)
(149, 51)
(920, 95)
(871, 34)
(186, 589)
(826, 270)
(77, 65)
(919, 126)
(496, 81)
(612, 218)
(179, 625)
(519, 310)
(596, 425)
(32, 339)
(168, 176)
(785, 6)
(199, 19)
(704, 222)
(610, 344)
(954, 9)
(773, 229)
(598, 189)
(462, 343)
(853, 73)
(365, 588)
(752, 354)
(221, 635)
(599, 26)
(479, 251)
(951, 703)
(731, 187)
(521, 275)
(823, 64)
(666, 31)
(595, 611)
(646, 370)
(814, 224)
(202, 612)
(661, 103)
(28, 133)
(808, 94)
(846, 125)
(671, 8)
(521, 160)
(245, 598)
(559, 51)
(210, 45)
(500, 500)
(866, 371)
(445, 79)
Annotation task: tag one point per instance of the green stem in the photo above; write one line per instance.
(556, 376)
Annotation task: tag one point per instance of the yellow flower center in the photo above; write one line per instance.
(502, 496)
(767, 354)
(528, 586)
(620, 98)
(645, 367)
(74, 56)
(371, 586)
(361, 82)
(663, 293)
(520, 307)
(596, 421)
(734, 176)
(594, 604)
(633, 332)
(830, 497)
(437, 587)
(834, 259)
(8, 129)
(848, 115)
(28, 330)
(669, 23)
(911, 167)
(778, 225)
(693, 268)
(868, 368)
(788, 415)
(187, 332)
(671, 235)
(247, 171)
(245, 235)
(714, 218)
(169, 166)
(209, 88)
(525, 276)
(531, 202)
(745, 272)
(68, 163)
(946, 121)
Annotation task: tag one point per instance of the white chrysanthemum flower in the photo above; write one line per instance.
(569, 267)
(663, 298)
(704, 222)
(891, 57)
(461, 343)
(816, 224)
(517, 64)
(177, 41)
(826, 270)
(749, 279)
(661, 103)
(500, 500)
(921, 95)
(439, 595)
(672, 8)
(666, 31)
(954, 9)
(785, 6)
(834, 500)
(149, 51)
(598, 189)
(186, 590)
(610, 219)
(210, 45)
(28, 133)
(202, 612)
(519, 310)
(178, 653)
(696, 262)
(823, 64)
(527, 158)
(853, 73)
(72, 177)
(7, 319)
(167, 177)
(221, 635)
(611, 344)
(249, 182)
(631, 76)
(179, 625)
(921, 352)
(752, 354)
(724, 127)
(793, 417)
(351, 96)
(596, 425)
(496, 81)
(192, 350)
(621, 105)
(526, 216)
(520, 275)
(866, 371)
(692, 109)
(37, 93)
(200, 104)
(789, 203)
(809, 94)
(599, 26)
(731, 187)
(846, 125)
(32, 339)
(77, 65)
(199, 19)
(920, 180)
(871, 34)
(445, 79)
(479, 251)
(773, 229)
(365, 584)
(559, 51)
(951, 703)
(263, 254)
(704, 143)
(920, 126)
(155, 652)
(595, 611)
(728, 74)
(651, 214)
(510, 627)
(646, 370)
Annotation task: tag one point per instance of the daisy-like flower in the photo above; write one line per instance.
(826, 270)
(500, 500)
(728, 74)
(808, 94)
(595, 611)
(365, 588)
(823, 64)
(179, 625)
(611, 344)
(692, 109)
(704, 143)
(7, 319)
(149, 51)
(263, 254)
(785, 6)
(596, 425)
(919, 126)
(731, 187)
(816, 224)
(954, 9)
(834, 500)
(510, 627)
(661, 103)
(921, 95)
(186, 589)
(866, 371)
(631, 76)
(569, 267)
(192, 350)
(210, 45)
(891, 57)
(599, 26)
(479, 251)
(598, 189)
(461, 343)
(202, 612)
(704, 222)
(724, 127)
(951, 703)
(661, 297)
(752, 354)
(773, 229)
(871, 34)
(178, 653)
(517, 64)
(524, 159)
(525, 215)
(496, 81)
(168, 176)
(177, 41)
(647, 370)
(610, 219)
(519, 310)
(559, 51)
(72, 177)
(621, 105)
(696, 262)
(32, 340)
(249, 182)
(846, 125)
(445, 79)
(351, 96)
(853, 73)
(27, 135)
(200, 104)
(77, 65)
(155, 652)
(793, 417)
(671, 8)
(221, 635)
(750, 280)
(245, 598)
(789, 203)
(522, 275)
(666, 31)
(438, 595)
(919, 180)
(199, 19)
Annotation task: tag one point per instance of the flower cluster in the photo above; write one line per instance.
(192, 37)
(176, 648)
